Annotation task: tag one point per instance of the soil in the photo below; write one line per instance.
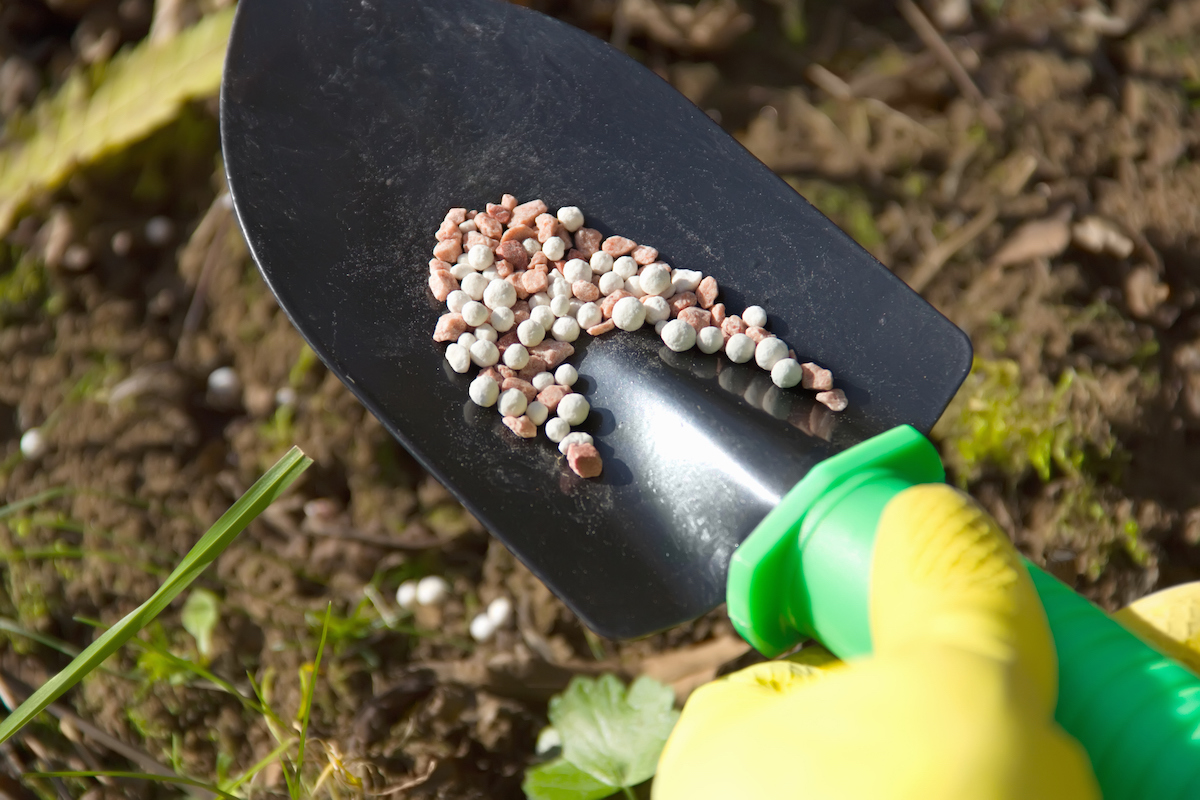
(142, 287)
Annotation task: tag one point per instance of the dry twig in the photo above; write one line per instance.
(958, 73)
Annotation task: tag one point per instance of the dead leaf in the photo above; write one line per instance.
(1044, 238)
(685, 670)
(1144, 293)
(709, 25)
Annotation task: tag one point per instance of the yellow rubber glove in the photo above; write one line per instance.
(956, 701)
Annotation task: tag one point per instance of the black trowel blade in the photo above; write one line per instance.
(349, 129)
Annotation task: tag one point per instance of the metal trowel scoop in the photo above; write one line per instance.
(349, 129)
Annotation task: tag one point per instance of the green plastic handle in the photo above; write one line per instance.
(805, 572)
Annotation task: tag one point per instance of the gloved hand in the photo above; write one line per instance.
(956, 701)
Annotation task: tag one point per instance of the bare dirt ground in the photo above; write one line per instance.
(1031, 167)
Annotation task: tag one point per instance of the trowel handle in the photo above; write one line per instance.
(806, 572)
(1135, 711)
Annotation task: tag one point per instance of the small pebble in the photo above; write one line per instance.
(482, 628)
(566, 375)
(601, 262)
(554, 249)
(816, 377)
(459, 358)
(406, 594)
(499, 611)
(532, 246)
(516, 356)
(678, 335)
(629, 314)
(625, 267)
(571, 218)
(834, 400)
(467, 339)
(159, 230)
(537, 412)
(739, 348)
(584, 460)
(575, 437)
(432, 590)
(657, 309)
(769, 351)
(786, 373)
(484, 353)
(33, 444)
(565, 329)
(522, 426)
(484, 391)
(542, 380)
(486, 333)
(557, 429)
(286, 396)
(574, 409)
(589, 314)
(710, 339)
(755, 317)
(633, 285)
(224, 387)
(658, 326)
(460, 271)
(480, 257)
(502, 319)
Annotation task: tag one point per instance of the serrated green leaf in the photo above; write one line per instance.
(612, 734)
(561, 780)
(200, 615)
(109, 107)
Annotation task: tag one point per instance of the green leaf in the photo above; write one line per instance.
(105, 109)
(561, 780)
(212, 544)
(200, 615)
(613, 735)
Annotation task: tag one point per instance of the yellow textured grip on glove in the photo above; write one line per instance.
(956, 700)
(1169, 621)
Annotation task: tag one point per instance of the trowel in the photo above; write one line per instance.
(349, 128)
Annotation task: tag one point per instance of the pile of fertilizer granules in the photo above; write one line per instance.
(521, 284)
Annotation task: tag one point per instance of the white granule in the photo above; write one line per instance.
(755, 317)
(629, 314)
(484, 391)
(739, 348)
(571, 218)
(678, 335)
(710, 339)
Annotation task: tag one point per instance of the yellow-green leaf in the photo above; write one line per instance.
(107, 108)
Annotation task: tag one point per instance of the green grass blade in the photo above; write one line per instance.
(37, 499)
(141, 776)
(232, 522)
(308, 698)
(268, 759)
